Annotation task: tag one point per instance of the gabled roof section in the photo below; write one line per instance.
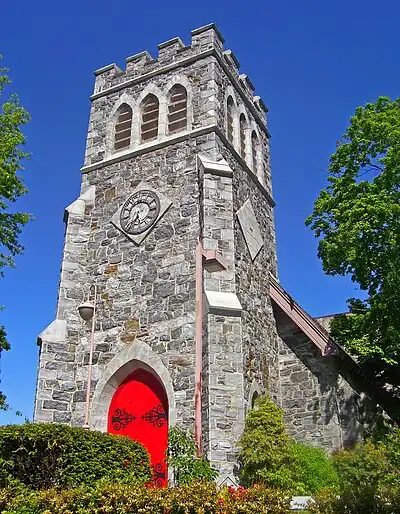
(288, 312)
(311, 328)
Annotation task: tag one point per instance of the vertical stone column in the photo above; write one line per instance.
(222, 355)
(56, 385)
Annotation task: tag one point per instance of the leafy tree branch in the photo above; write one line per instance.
(12, 118)
(357, 222)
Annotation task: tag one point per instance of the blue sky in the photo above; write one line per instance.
(313, 62)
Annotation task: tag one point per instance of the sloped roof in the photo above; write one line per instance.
(286, 309)
(311, 328)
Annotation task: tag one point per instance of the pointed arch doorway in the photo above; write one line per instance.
(139, 410)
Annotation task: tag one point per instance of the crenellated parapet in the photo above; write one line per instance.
(205, 41)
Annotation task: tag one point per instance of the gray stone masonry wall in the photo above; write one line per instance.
(146, 292)
(197, 62)
(224, 90)
(55, 383)
(199, 77)
(259, 332)
(309, 393)
(321, 407)
(172, 54)
(259, 336)
(225, 409)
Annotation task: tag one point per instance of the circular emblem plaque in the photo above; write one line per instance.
(139, 212)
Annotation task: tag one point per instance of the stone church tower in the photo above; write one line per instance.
(177, 152)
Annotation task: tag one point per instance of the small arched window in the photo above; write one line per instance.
(122, 138)
(255, 146)
(150, 110)
(177, 109)
(254, 398)
(229, 119)
(242, 125)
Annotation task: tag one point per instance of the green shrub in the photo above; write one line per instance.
(390, 444)
(361, 468)
(182, 460)
(254, 500)
(325, 501)
(311, 469)
(198, 497)
(369, 477)
(264, 449)
(268, 455)
(361, 471)
(386, 501)
(41, 456)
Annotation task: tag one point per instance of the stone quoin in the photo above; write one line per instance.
(178, 151)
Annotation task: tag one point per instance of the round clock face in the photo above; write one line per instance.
(139, 212)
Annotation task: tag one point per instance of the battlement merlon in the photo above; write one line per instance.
(136, 64)
(173, 53)
(247, 84)
(232, 60)
(203, 39)
(259, 103)
(207, 37)
(108, 71)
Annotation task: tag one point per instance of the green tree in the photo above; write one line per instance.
(12, 117)
(369, 479)
(357, 221)
(361, 468)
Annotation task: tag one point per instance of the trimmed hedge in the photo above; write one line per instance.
(201, 497)
(41, 456)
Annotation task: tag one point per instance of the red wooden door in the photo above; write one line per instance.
(139, 409)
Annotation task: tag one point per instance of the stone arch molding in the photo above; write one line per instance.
(112, 120)
(183, 81)
(247, 135)
(231, 92)
(257, 166)
(135, 104)
(150, 89)
(137, 355)
(255, 388)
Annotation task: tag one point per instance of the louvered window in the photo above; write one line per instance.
(254, 150)
(242, 123)
(177, 109)
(150, 109)
(229, 119)
(123, 127)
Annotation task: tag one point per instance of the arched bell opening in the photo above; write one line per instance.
(139, 410)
